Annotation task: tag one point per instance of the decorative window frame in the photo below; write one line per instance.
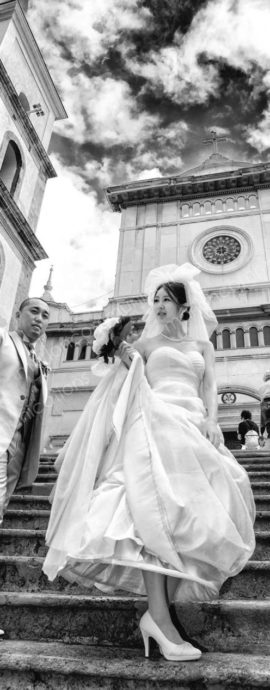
(246, 253)
(10, 136)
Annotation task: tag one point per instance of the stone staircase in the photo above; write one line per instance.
(62, 636)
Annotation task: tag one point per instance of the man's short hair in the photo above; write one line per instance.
(28, 300)
(246, 414)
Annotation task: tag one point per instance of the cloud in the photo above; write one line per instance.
(88, 29)
(81, 238)
(232, 32)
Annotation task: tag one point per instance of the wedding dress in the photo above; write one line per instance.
(141, 488)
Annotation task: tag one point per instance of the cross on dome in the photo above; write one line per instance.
(214, 140)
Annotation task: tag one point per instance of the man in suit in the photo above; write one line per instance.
(23, 393)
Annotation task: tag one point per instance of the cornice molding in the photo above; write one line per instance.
(25, 124)
(175, 188)
(32, 48)
(20, 227)
(7, 9)
(12, 10)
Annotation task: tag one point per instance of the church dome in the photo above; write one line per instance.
(215, 163)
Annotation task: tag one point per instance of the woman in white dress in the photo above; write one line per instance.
(148, 499)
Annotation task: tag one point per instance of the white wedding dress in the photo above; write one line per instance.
(140, 487)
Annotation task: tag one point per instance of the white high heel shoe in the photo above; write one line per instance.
(171, 651)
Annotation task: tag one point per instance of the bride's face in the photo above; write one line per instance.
(165, 308)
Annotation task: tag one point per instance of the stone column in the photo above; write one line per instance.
(219, 341)
(88, 351)
(246, 338)
(233, 339)
(76, 352)
(260, 337)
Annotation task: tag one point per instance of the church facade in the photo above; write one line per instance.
(29, 106)
(217, 216)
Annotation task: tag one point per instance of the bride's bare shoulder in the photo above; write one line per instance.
(144, 346)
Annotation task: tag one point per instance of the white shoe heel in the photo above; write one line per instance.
(171, 651)
(145, 637)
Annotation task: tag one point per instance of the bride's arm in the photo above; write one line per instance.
(210, 395)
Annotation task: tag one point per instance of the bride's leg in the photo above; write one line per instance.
(155, 585)
(171, 586)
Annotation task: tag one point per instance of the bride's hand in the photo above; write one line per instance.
(126, 353)
(212, 432)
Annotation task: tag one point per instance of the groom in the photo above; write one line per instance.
(23, 392)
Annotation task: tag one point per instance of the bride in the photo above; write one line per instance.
(148, 499)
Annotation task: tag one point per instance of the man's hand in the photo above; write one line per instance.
(212, 432)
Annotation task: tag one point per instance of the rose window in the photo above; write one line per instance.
(221, 249)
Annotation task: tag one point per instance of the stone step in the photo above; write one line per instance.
(24, 573)
(219, 626)
(28, 502)
(262, 521)
(23, 542)
(258, 467)
(26, 519)
(52, 476)
(264, 475)
(31, 501)
(33, 518)
(260, 487)
(38, 489)
(262, 501)
(251, 454)
(262, 550)
(31, 542)
(48, 457)
(28, 665)
(46, 468)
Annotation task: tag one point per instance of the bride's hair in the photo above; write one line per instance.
(177, 293)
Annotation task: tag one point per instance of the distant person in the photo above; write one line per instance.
(246, 426)
(23, 392)
(264, 393)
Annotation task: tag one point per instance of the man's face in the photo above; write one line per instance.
(33, 319)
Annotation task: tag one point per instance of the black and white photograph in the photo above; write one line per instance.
(134, 344)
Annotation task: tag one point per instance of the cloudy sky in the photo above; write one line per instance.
(143, 82)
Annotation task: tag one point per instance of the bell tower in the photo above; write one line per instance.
(29, 106)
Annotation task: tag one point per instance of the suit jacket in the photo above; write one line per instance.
(14, 385)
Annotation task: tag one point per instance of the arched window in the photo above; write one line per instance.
(11, 167)
(266, 335)
(82, 353)
(240, 340)
(226, 339)
(24, 101)
(229, 204)
(70, 352)
(241, 203)
(214, 339)
(253, 334)
(185, 210)
(196, 209)
(252, 202)
(218, 206)
(208, 207)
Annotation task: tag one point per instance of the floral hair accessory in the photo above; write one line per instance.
(108, 336)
